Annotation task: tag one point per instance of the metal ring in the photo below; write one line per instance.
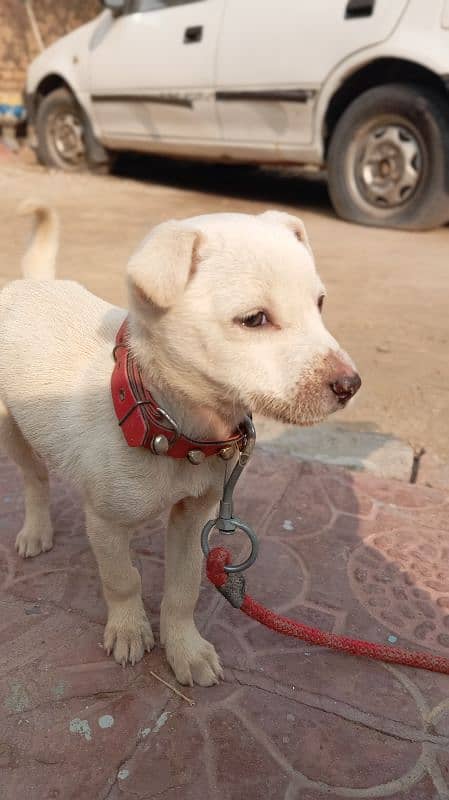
(205, 536)
(239, 525)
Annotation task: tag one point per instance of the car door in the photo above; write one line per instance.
(152, 71)
(273, 56)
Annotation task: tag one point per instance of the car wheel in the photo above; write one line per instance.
(65, 138)
(388, 159)
(60, 132)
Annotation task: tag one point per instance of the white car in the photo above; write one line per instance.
(359, 87)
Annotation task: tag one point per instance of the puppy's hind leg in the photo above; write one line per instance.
(36, 535)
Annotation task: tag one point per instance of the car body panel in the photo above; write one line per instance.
(266, 107)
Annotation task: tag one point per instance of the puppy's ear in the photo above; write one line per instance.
(160, 269)
(295, 224)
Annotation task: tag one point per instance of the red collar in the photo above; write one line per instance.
(145, 424)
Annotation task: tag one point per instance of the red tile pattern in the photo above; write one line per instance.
(343, 551)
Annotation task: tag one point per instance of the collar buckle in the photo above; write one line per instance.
(160, 412)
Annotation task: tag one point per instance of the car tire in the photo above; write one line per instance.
(388, 159)
(64, 136)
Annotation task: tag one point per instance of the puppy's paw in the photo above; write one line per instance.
(32, 541)
(128, 634)
(192, 658)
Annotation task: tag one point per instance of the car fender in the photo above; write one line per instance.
(409, 47)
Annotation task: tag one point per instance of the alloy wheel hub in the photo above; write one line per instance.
(67, 134)
(389, 166)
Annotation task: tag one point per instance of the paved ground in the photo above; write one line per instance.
(387, 290)
(346, 552)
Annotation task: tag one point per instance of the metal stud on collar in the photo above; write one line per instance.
(227, 452)
(160, 445)
(196, 456)
(226, 523)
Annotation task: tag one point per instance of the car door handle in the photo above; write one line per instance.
(359, 8)
(194, 34)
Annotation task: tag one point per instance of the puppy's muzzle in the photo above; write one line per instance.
(345, 386)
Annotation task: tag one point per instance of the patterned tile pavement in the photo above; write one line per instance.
(343, 551)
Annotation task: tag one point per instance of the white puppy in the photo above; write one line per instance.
(224, 319)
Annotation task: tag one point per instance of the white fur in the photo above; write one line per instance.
(190, 282)
(39, 260)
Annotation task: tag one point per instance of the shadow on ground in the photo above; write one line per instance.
(268, 185)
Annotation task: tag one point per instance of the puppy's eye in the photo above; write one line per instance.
(320, 303)
(257, 320)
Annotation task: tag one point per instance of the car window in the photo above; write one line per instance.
(139, 6)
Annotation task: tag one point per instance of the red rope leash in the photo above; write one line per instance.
(232, 586)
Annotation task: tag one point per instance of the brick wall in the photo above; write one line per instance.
(17, 43)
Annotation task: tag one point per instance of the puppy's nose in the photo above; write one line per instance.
(346, 386)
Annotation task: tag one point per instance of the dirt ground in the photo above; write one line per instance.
(388, 292)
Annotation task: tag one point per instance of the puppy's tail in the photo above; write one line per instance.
(39, 260)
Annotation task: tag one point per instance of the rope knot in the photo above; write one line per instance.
(231, 585)
(217, 560)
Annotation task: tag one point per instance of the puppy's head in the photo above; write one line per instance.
(229, 306)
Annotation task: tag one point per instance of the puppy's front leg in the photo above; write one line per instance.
(191, 657)
(128, 633)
